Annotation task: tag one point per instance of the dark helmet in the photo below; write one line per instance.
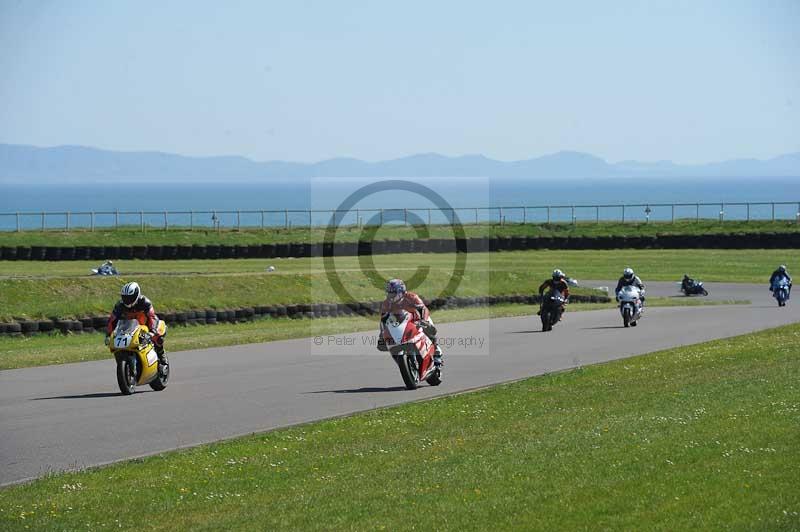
(685, 277)
(782, 268)
(627, 273)
(557, 274)
(395, 289)
(130, 294)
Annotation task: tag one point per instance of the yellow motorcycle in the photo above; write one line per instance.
(137, 363)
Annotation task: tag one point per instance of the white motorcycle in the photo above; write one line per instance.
(630, 305)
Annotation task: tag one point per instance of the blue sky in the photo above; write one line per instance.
(686, 81)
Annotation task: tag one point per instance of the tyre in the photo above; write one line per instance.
(626, 316)
(435, 378)
(634, 323)
(705, 292)
(126, 376)
(160, 382)
(546, 321)
(409, 370)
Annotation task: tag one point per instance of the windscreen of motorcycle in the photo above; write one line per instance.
(396, 325)
(125, 331)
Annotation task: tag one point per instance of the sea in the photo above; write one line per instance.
(414, 200)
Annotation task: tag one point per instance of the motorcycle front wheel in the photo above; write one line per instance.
(626, 316)
(126, 376)
(408, 369)
(546, 326)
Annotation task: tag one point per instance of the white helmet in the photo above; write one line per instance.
(130, 294)
(557, 274)
(627, 273)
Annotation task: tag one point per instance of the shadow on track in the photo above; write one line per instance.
(369, 389)
(525, 332)
(86, 395)
(603, 327)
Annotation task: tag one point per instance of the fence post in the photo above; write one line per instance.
(500, 214)
(597, 214)
(69, 216)
(548, 214)
(92, 221)
(141, 220)
(697, 212)
(721, 212)
(310, 220)
(405, 216)
(166, 222)
(572, 213)
(358, 218)
(429, 217)
(17, 222)
(748, 212)
(524, 215)
(673, 213)
(116, 219)
(238, 220)
(476, 216)
(623, 214)
(43, 215)
(381, 217)
(773, 212)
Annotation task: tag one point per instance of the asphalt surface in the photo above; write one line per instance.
(72, 416)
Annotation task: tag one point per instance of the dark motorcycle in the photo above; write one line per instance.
(552, 308)
(694, 288)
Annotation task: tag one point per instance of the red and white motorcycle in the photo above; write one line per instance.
(411, 348)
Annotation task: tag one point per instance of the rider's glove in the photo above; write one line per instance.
(107, 339)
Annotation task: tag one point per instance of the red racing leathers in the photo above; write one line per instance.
(141, 311)
(413, 304)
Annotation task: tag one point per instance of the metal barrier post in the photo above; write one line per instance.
(673, 213)
(623, 214)
(548, 214)
(69, 215)
(748, 212)
(43, 216)
(116, 219)
(286, 218)
(773, 212)
(92, 221)
(141, 220)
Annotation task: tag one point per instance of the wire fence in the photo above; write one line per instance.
(220, 220)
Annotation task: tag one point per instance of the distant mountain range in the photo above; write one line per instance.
(30, 164)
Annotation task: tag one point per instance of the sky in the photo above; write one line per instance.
(691, 82)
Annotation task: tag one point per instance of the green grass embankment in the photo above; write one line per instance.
(130, 236)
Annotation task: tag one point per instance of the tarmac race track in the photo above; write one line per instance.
(72, 416)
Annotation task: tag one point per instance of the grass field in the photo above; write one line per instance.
(40, 289)
(134, 236)
(697, 438)
(56, 348)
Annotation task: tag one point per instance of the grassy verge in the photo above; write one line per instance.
(701, 438)
(182, 236)
(42, 350)
(180, 285)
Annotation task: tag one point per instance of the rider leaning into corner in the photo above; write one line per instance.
(630, 279)
(399, 299)
(558, 281)
(134, 306)
(778, 274)
(687, 282)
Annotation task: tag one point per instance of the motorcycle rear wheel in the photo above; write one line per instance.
(126, 377)
(160, 382)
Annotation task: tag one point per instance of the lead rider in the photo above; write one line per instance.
(399, 299)
(134, 306)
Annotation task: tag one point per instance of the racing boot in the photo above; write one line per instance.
(163, 364)
(437, 356)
